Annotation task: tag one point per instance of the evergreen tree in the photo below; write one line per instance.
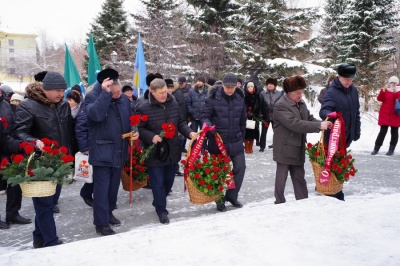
(214, 30)
(111, 32)
(365, 40)
(160, 27)
(332, 23)
(276, 37)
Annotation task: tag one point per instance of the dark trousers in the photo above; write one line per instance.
(162, 179)
(45, 226)
(239, 169)
(87, 191)
(394, 132)
(263, 137)
(106, 182)
(299, 183)
(57, 195)
(14, 199)
(195, 125)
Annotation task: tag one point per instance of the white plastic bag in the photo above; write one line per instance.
(83, 171)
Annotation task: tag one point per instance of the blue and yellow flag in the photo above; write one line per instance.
(94, 63)
(139, 74)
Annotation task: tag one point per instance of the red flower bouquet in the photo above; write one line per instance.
(139, 170)
(342, 165)
(210, 174)
(51, 164)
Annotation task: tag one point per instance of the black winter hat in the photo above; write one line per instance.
(170, 82)
(230, 79)
(347, 70)
(271, 81)
(202, 79)
(126, 88)
(158, 76)
(40, 76)
(54, 81)
(149, 78)
(107, 73)
(211, 81)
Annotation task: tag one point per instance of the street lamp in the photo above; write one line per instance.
(114, 57)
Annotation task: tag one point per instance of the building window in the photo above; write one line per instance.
(12, 71)
(11, 42)
(11, 50)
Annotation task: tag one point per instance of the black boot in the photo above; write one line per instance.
(391, 150)
(376, 149)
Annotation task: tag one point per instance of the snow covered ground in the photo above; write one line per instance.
(363, 230)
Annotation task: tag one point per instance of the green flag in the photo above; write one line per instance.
(94, 64)
(71, 74)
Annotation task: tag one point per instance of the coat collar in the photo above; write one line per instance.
(35, 92)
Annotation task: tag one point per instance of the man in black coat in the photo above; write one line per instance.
(44, 114)
(342, 96)
(225, 108)
(161, 108)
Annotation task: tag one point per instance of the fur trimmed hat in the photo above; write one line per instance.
(40, 76)
(347, 70)
(54, 81)
(272, 81)
(149, 78)
(294, 83)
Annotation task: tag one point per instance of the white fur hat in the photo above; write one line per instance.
(394, 79)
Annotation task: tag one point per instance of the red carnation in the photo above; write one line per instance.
(347, 176)
(30, 173)
(202, 182)
(209, 187)
(29, 149)
(221, 188)
(183, 162)
(18, 158)
(316, 154)
(205, 159)
(4, 121)
(227, 159)
(135, 120)
(47, 149)
(135, 173)
(208, 170)
(54, 143)
(198, 165)
(55, 152)
(23, 144)
(309, 145)
(197, 176)
(46, 141)
(126, 168)
(64, 150)
(145, 118)
(214, 176)
(4, 162)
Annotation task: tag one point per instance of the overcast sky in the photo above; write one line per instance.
(67, 20)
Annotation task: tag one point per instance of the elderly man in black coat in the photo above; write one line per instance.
(161, 108)
(225, 108)
(108, 111)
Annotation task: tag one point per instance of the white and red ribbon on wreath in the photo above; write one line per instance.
(337, 141)
(195, 151)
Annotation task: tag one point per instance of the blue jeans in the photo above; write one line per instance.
(106, 182)
(45, 226)
(162, 179)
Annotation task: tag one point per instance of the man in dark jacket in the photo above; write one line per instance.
(14, 193)
(268, 98)
(225, 108)
(45, 115)
(161, 108)
(184, 86)
(108, 112)
(195, 102)
(342, 96)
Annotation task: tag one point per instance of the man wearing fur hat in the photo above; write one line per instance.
(44, 114)
(226, 110)
(268, 98)
(292, 122)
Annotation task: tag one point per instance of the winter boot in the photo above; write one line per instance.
(391, 150)
(251, 142)
(376, 149)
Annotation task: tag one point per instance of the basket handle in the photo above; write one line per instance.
(320, 147)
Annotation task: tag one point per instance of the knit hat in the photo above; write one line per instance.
(202, 79)
(230, 79)
(181, 79)
(54, 81)
(272, 81)
(347, 70)
(170, 82)
(393, 79)
(294, 84)
(17, 97)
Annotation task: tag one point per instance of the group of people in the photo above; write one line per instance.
(94, 123)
